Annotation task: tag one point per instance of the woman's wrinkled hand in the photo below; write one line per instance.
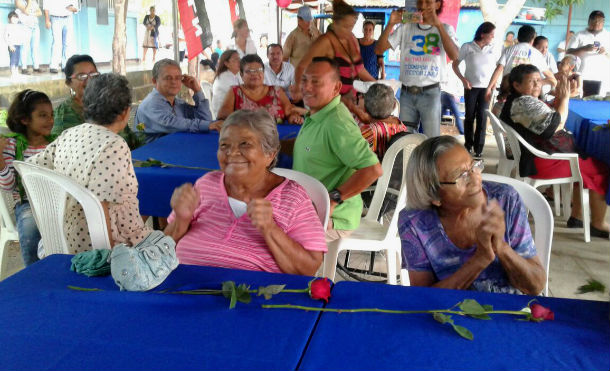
(562, 90)
(260, 212)
(185, 201)
(493, 224)
(216, 125)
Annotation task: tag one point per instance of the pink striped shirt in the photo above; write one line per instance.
(7, 175)
(217, 238)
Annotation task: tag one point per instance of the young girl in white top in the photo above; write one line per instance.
(30, 118)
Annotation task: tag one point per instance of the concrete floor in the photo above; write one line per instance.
(573, 261)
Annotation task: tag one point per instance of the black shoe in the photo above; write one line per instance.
(54, 70)
(598, 232)
(575, 223)
(478, 155)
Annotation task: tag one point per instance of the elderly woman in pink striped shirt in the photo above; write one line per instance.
(245, 216)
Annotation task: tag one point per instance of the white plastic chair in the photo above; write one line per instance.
(514, 139)
(207, 89)
(543, 218)
(47, 191)
(371, 235)
(505, 164)
(316, 191)
(8, 229)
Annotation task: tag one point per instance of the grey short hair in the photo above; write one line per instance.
(423, 183)
(158, 67)
(261, 122)
(379, 101)
(106, 97)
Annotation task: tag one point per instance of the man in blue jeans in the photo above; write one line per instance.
(58, 18)
(424, 48)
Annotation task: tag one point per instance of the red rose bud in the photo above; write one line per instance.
(320, 289)
(540, 312)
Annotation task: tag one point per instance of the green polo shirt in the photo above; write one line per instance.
(331, 148)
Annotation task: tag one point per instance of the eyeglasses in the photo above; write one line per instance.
(256, 70)
(85, 76)
(464, 178)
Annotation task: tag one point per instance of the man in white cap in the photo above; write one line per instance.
(300, 39)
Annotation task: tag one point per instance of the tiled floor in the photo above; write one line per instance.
(573, 262)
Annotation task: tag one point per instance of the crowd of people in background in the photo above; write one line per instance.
(310, 81)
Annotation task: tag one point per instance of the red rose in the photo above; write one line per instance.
(540, 312)
(320, 289)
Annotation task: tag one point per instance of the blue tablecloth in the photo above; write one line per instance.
(46, 326)
(578, 339)
(582, 118)
(156, 184)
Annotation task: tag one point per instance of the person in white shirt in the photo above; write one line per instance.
(541, 43)
(480, 56)
(424, 50)
(591, 45)
(58, 18)
(562, 46)
(227, 75)
(278, 72)
(522, 53)
(243, 42)
(28, 12)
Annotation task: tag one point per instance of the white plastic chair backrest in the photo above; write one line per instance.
(206, 87)
(499, 133)
(404, 145)
(7, 214)
(314, 188)
(543, 218)
(47, 192)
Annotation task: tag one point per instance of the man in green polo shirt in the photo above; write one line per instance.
(330, 148)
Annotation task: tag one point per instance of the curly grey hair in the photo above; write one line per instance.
(423, 183)
(379, 101)
(106, 97)
(158, 67)
(260, 122)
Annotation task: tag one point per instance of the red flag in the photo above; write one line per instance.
(192, 29)
(450, 13)
(232, 6)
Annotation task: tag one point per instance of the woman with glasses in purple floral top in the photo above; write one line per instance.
(459, 232)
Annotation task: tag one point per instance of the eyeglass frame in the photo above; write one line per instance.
(85, 76)
(477, 165)
(253, 71)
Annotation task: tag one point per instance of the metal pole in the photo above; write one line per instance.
(568, 30)
(175, 25)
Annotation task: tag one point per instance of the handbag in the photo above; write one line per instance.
(146, 265)
(153, 33)
(561, 142)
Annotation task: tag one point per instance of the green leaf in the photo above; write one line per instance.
(480, 316)
(227, 287)
(242, 293)
(472, 307)
(228, 290)
(463, 331)
(591, 286)
(488, 307)
(76, 288)
(442, 318)
(269, 291)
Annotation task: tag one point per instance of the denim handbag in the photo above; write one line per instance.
(145, 265)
